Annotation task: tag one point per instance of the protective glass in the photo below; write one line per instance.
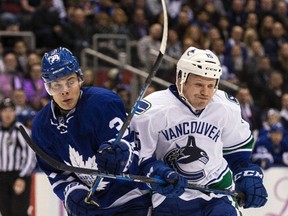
(58, 86)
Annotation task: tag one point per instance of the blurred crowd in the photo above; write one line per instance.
(250, 37)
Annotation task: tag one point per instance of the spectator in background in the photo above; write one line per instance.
(11, 78)
(213, 11)
(76, 33)
(152, 10)
(271, 97)
(266, 8)
(265, 29)
(145, 44)
(88, 77)
(223, 26)
(249, 112)
(119, 21)
(113, 79)
(34, 88)
(102, 24)
(46, 25)
(21, 51)
(187, 42)
(174, 50)
(273, 43)
(252, 21)
(120, 26)
(250, 35)
(254, 56)
(236, 38)
(281, 12)
(19, 100)
(259, 79)
(203, 21)
(236, 14)
(212, 35)
(15, 179)
(271, 117)
(137, 29)
(251, 6)
(32, 58)
(24, 112)
(271, 149)
(195, 33)
(182, 24)
(282, 61)
(236, 69)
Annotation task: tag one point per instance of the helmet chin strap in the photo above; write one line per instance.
(181, 95)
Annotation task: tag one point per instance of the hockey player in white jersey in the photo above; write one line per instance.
(194, 132)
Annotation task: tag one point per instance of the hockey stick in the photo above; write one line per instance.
(151, 75)
(124, 177)
(143, 89)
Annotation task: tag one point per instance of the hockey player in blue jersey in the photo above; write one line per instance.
(71, 128)
(193, 132)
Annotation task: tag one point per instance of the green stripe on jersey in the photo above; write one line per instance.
(224, 183)
(246, 147)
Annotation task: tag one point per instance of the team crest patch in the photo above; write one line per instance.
(231, 98)
(182, 159)
(53, 58)
(143, 107)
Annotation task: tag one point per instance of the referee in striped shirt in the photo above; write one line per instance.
(17, 162)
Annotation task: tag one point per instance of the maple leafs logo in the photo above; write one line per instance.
(77, 161)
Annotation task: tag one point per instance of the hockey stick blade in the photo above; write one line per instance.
(125, 177)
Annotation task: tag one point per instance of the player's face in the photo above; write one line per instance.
(68, 91)
(199, 90)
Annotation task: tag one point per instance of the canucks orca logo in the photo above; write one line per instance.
(182, 159)
(143, 106)
(231, 98)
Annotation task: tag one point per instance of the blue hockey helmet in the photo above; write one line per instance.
(26, 115)
(59, 63)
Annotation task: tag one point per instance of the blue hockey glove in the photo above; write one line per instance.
(114, 159)
(175, 185)
(75, 205)
(249, 180)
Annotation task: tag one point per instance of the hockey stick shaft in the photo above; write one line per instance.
(151, 75)
(124, 177)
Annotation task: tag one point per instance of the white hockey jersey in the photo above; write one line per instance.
(192, 144)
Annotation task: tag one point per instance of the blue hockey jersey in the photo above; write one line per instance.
(75, 138)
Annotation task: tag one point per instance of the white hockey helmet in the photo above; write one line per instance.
(200, 62)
